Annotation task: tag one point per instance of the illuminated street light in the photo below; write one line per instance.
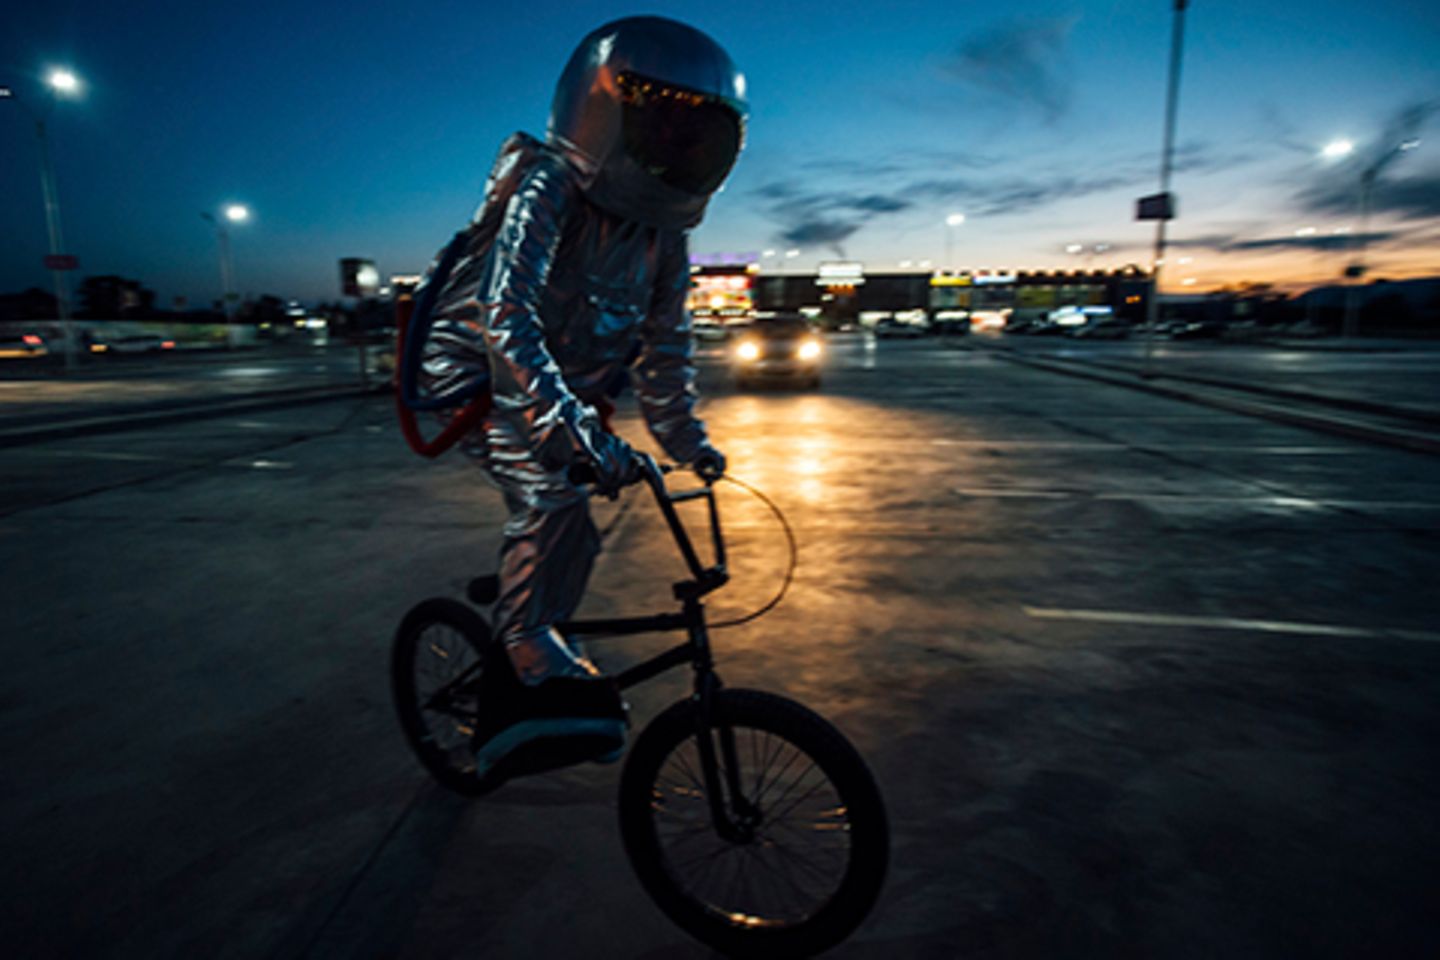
(951, 222)
(1336, 149)
(61, 83)
(231, 213)
(1355, 272)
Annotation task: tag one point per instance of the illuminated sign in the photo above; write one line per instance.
(723, 259)
(840, 273)
(720, 294)
(950, 280)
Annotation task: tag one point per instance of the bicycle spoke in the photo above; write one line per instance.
(685, 766)
(801, 860)
(794, 755)
(809, 793)
(780, 870)
(770, 758)
(795, 783)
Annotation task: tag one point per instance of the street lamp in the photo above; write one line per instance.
(61, 83)
(1355, 272)
(1172, 98)
(232, 213)
(951, 222)
(1336, 149)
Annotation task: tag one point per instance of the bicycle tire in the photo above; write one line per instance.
(651, 805)
(441, 639)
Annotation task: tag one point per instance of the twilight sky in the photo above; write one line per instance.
(366, 129)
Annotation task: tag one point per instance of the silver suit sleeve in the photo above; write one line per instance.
(529, 390)
(665, 381)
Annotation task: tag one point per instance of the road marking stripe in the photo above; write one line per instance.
(1294, 502)
(1149, 447)
(1227, 623)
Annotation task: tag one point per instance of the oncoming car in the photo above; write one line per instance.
(782, 348)
(22, 345)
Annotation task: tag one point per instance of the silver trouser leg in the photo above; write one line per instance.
(550, 544)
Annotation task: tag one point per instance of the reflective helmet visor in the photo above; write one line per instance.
(685, 139)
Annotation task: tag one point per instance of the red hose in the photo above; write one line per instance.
(463, 420)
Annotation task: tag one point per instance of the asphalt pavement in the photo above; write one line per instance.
(1138, 677)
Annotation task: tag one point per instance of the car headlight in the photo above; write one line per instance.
(810, 350)
(749, 350)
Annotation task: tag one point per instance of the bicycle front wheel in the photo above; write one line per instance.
(797, 860)
(441, 649)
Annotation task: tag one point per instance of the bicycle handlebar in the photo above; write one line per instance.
(582, 473)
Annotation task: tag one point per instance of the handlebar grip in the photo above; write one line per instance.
(582, 473)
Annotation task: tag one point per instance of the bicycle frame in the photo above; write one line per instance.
(696, 649)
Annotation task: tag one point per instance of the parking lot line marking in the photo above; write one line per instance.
(103, 455)
(1306, 503)
(1228, 623)
(1152, 447)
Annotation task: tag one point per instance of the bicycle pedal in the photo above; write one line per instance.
(483, 591)
(544, 754)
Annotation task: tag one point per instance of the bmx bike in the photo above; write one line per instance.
(749, 819)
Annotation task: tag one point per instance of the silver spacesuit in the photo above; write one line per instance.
(586, 279)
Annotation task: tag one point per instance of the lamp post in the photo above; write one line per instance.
(951, 222)
(232, 213)
(61, 83)
(1355, 272)
(1172, 97)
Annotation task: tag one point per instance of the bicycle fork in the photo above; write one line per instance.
(736, 820)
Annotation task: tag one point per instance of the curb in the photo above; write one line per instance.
(1351, 429)
(140, 419)
(1304, 396)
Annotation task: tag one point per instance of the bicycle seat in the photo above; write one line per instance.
(483, 590)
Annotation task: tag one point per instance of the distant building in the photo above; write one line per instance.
(849, 292)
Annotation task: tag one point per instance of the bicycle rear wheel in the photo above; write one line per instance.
(441, 650)
(802, 857)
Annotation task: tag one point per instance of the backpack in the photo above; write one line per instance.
(414, 316)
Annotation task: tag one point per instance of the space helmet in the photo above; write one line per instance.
(653, 113)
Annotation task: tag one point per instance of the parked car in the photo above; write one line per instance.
(894, 329)
(1197, 330)
(708, 328)
(1106, 329)
(989, 319)
(22, 345)
(784, 348)
(951, 327)
(132, 343)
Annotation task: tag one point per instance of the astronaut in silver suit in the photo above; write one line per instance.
(585, 284)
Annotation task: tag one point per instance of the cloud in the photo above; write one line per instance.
(1020, 61)
(877, 203)
(1331, 242)
(823, 217)
(1414, 198)
(1336, 190)
(820, 232)
(833, 198)
(1014, 195)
